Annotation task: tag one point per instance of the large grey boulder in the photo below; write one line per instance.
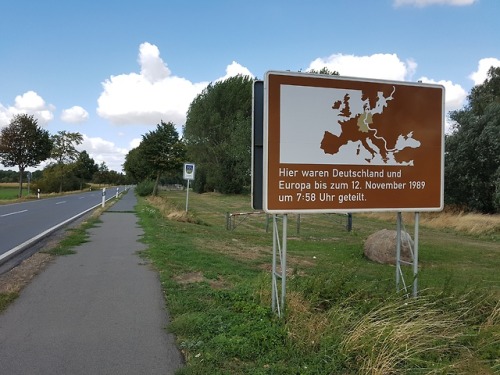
(380, 247)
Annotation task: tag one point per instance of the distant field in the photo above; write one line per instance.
(9, 191)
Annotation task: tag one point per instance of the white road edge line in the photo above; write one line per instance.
(31, 241)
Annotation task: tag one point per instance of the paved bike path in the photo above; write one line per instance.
(99, 311)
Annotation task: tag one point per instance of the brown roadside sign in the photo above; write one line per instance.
(338, 144)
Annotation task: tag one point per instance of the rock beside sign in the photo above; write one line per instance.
(380, 247)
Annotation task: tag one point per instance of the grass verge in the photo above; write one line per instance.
(75, 236)
(343, 315)
(6, 299)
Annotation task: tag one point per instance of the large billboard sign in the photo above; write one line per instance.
(336, 144)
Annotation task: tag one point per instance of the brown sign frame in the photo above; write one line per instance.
(382, 147)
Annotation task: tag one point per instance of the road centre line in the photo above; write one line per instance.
(61, 202)
(13, 213)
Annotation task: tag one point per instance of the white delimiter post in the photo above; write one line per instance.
(103, 197)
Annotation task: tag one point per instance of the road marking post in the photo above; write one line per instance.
(103, 197)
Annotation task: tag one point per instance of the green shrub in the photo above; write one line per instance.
(145, 188)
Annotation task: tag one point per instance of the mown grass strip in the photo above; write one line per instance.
(73, 238)
(6, 299)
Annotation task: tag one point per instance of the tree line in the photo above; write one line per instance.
(217, 138)
(472, 150)
(23, 143)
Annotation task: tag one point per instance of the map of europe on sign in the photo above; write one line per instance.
(349, 127)
(336, 144)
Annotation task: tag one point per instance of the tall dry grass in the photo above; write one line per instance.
(469, 223)
(397, 334)
(429, 335)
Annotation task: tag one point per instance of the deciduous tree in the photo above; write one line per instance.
(85, 167)
(24, 144)
(218, 135)
(163, 151)
(136, 167)
(64, 150)
(472, 153)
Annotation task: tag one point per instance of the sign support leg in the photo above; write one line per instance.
(279, 253)
(398, 251)
(415, 256)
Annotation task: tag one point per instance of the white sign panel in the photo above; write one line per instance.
(189, 169)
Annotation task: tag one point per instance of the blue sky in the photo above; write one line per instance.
(112, 69)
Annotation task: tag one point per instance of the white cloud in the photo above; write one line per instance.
(30, 103)
(152, 66)
(235, 69)
(146, 98)
(135, 142)
(378, 66)
(424, 3)
(104, 151)
(480, 75)
(74, 115)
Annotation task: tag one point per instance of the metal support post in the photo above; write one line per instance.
(349, 222)
(187, 195)
(415, 256)
(398, 250)
(274, 292)
(279, 252)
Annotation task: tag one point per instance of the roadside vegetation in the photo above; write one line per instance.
(74, 237)
(343, 315)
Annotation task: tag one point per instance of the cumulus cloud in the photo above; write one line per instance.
(378, 66)
(480, 75)
(30, 103)
(424, 3)
(104, 151)
(235, 69)
(152, 66)
(147, 97)
(135, 142)
(74, 115)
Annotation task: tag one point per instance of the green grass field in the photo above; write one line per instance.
(8, 193)
(343, 315)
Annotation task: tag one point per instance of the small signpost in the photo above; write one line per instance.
(188, 175)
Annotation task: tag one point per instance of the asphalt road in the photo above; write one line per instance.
(20, 222)
(99, 311)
